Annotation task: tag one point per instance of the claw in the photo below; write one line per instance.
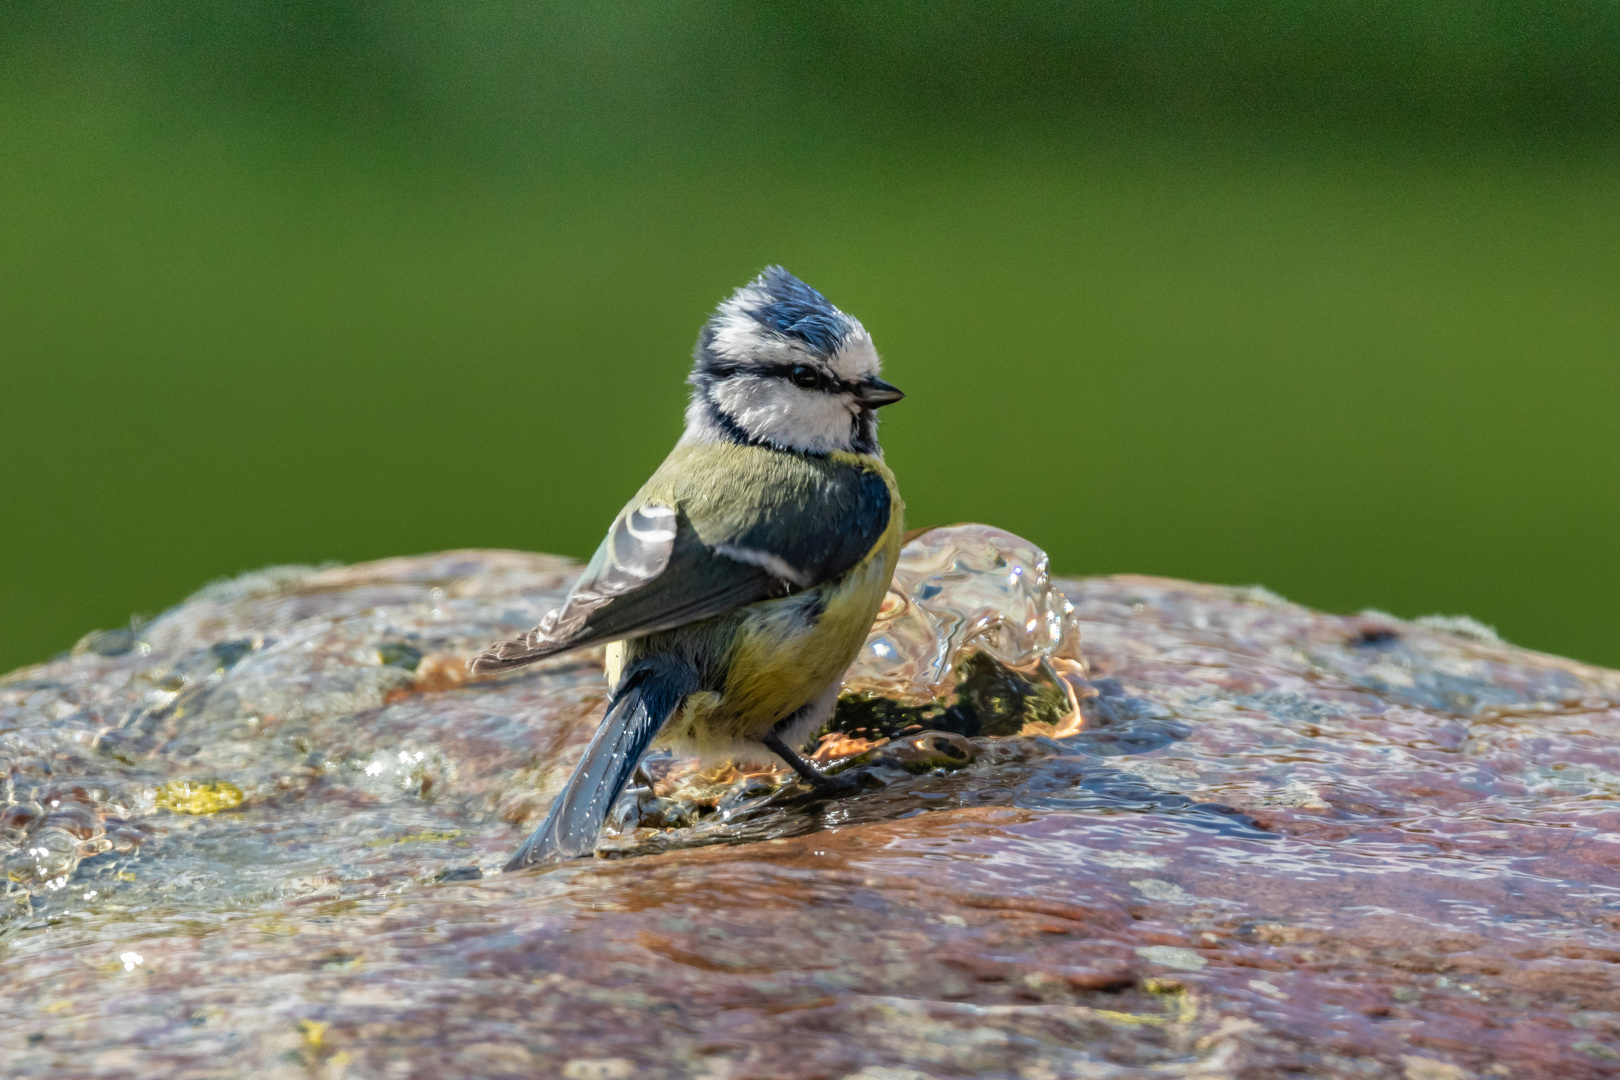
(822, 786)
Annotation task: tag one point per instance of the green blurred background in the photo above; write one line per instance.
(1320, 296)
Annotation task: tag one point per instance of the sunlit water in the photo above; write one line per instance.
(1112, 825)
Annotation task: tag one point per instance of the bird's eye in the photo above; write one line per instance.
(806, 376)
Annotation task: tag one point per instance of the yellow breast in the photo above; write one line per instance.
(787, 651)
(782, 661)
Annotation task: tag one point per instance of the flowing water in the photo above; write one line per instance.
(1120, 827)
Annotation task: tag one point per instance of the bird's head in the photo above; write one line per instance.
(778, 365)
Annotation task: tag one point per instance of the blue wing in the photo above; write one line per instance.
(685, 555)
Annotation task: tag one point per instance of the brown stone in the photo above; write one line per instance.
(1273, 842)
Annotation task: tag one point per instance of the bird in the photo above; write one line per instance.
(736, 588)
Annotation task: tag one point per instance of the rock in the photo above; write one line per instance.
(261, 835)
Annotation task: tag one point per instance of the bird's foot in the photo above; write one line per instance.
(825, 788)
(822, 785)
(837, 785)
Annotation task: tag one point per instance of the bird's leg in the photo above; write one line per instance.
(820, 781)
(807, 772)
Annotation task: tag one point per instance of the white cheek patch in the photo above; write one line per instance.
(856, 359)
(786, 415)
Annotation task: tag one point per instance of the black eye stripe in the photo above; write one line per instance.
(804, 376)
(824, 380)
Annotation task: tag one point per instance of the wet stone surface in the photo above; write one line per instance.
(260, 836)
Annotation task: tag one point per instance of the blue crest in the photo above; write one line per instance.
(796, 310)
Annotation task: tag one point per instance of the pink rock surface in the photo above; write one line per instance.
(1282, 843)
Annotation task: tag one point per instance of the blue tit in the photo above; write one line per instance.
(735, 589)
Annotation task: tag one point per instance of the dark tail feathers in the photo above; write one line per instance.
(650, 691)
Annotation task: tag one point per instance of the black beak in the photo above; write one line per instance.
(874, 393)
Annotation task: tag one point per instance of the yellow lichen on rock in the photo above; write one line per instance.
(198, 796)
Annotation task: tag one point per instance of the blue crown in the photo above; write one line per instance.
(796, 310)
(775, 306)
